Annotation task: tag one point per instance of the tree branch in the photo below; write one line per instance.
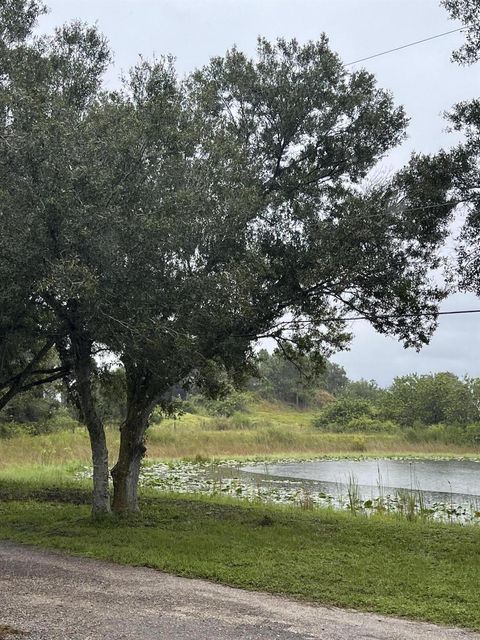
(16, 387)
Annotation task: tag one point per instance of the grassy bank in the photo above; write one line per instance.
(412, 569)
(267, 429)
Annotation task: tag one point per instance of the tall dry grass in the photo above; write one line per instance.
(266, 430)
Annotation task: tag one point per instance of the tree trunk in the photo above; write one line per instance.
(126, 472)
(84, 398)
(101, 493)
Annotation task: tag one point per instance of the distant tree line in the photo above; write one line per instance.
(432, 406)
(411, 401)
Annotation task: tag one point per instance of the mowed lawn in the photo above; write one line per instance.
(420, 570)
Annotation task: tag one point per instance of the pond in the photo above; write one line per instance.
(438, 480)
(446, 490)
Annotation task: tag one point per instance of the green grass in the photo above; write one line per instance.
(384, 564)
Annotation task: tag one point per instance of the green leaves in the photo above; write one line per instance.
(468, 13)
(17, 19)
(176, 222)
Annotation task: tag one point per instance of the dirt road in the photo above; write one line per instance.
(55, 597)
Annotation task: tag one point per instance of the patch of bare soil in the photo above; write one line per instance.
(7, 632)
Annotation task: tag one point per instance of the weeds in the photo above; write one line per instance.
(305, 500)
(353, 495)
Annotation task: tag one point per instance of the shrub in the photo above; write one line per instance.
(11, 429)
(220, 423)
(446, 433)
(358, 443)
(62, 421)
(320, 398)
(360, 425)
(241, 421)
(472, 434)
(226, 406)
(157, 415)
(31, 406)
(194, 404)
(342, 411)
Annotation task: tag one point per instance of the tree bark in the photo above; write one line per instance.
(84, 398)
(126, 472)
(101, 492)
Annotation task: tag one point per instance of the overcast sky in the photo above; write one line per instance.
(422, 78)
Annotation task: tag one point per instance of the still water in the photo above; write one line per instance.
(439, 480)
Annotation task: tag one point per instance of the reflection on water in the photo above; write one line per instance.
(439, 480)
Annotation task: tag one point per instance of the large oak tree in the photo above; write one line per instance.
(174, 222)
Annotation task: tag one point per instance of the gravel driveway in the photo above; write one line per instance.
(51, 596)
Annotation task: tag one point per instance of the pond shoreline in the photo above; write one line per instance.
(230, 478)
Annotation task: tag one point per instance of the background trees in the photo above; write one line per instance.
(432, 399)
(298, 382)
(450, 406)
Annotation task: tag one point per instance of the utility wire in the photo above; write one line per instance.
(405, 46)
(414, 315)
(386, 316)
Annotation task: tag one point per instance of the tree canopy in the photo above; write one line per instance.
(173, 222)
(455, 174)
(468, 13)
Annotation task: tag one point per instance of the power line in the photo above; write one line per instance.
(412, 315)
(386, 316)
(405, 46)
